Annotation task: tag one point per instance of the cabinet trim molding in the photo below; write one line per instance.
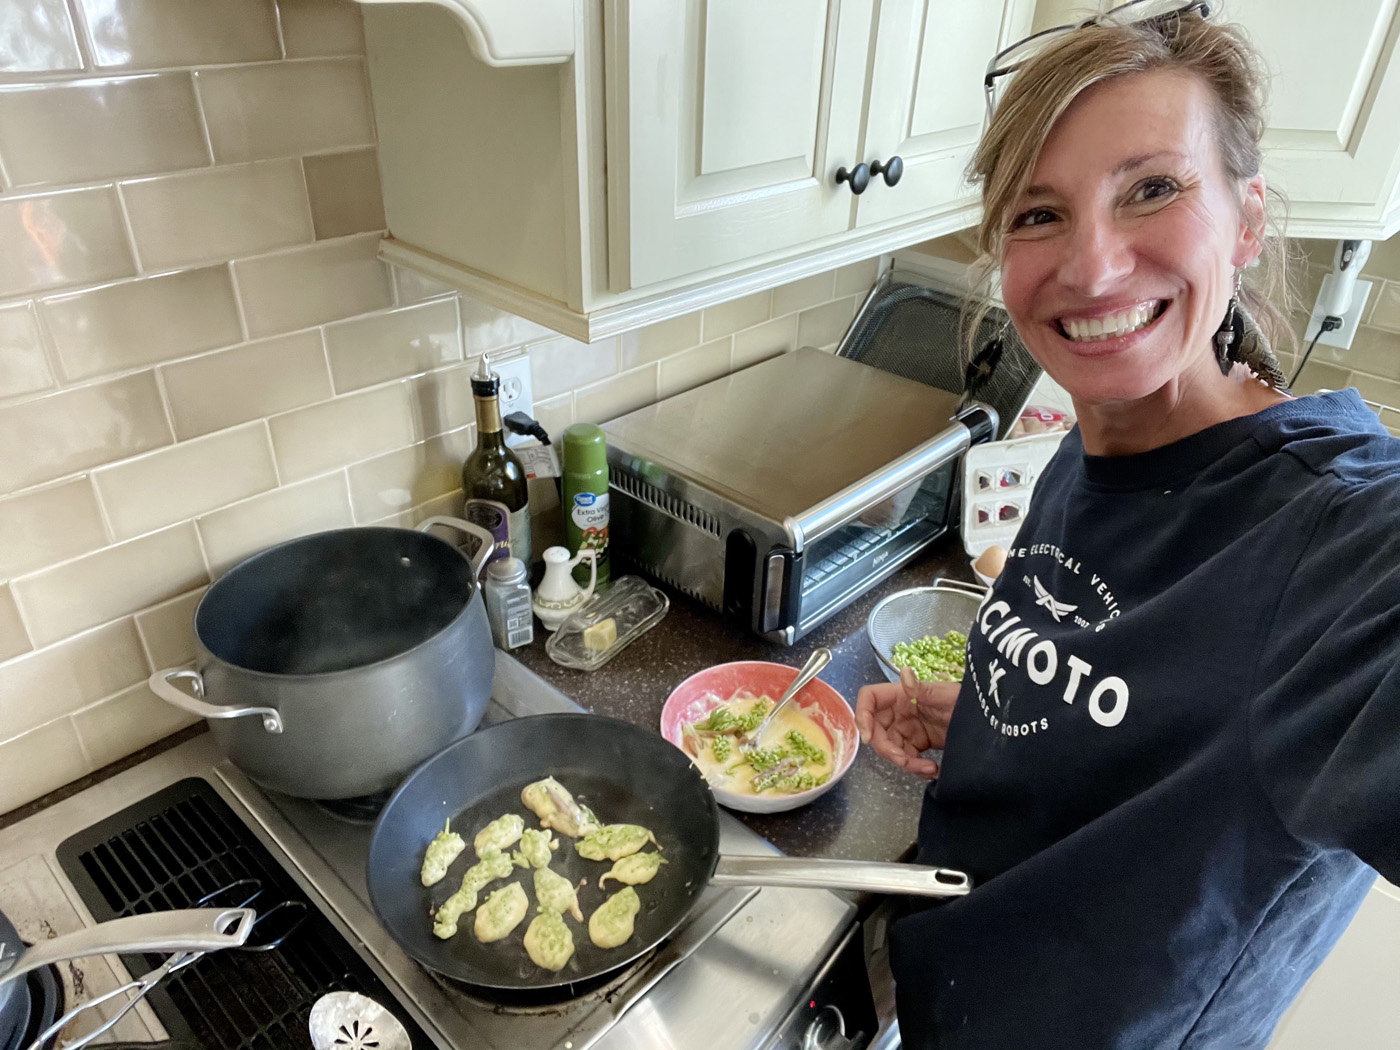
(619, 314)
(511, 33)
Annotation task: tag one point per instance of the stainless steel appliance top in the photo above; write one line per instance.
(730, 977)
(786, 435)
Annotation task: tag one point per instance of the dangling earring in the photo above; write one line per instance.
(1226, 338)
(979, 370)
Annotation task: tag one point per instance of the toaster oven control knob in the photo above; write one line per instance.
(827, 1031)
(892, 170)
(858, 177)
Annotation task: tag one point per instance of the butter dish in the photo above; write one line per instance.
(607, 623)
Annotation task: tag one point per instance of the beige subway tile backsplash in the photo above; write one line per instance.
(48, 525)
(286, 109)
(403, 479)
(126, 723)
(115, 581)
(218, 213)
(235, 532)
(13, 637)
(728, 318)
(63, 678)
(132, 323)
(148, 34)
(55, 239)
(218, 390)
(308, 286)
(176, 483)
(767, 340)
(403, 342)
(38, 37)
(484, 328)
(92, 129)
(24, 367)
(312, 28)
(565, 364)
(616, 396)
(824, 325)
(79, 428)
(39, 761)
(644, 345)
(335, 433)
(857, 278)
(695, 367)
(167, 630)
(803, 294)
(442, 400)
(345, 194)
(1386, 312)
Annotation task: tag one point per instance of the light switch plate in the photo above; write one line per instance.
(1338, 337)
(517, 392)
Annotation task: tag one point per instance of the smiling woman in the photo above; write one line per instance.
(1164, 872)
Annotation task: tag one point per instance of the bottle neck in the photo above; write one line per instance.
(488, 416)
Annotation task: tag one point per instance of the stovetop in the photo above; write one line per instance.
(736, 974)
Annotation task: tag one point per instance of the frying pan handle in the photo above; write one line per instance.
(161, 684)
(483, 548)
(913, 880)
(190, 930)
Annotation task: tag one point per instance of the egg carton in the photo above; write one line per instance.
(998, 482)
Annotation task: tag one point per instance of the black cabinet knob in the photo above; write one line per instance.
(892, 170)
(858, 177)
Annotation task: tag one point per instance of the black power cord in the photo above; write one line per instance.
(1330, 323)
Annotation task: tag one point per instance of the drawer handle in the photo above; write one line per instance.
(892, 170)
(858, 177)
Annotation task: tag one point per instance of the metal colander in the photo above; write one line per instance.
(948, 605)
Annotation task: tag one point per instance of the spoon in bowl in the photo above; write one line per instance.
(818, 660)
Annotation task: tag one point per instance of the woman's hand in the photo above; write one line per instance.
(903, 719)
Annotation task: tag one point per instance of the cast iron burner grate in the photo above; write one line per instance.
(182, 845)
(363, 809)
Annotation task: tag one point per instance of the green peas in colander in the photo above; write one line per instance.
(933, 658)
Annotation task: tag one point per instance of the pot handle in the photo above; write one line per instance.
(912, 880)
(189, 930)
(484, 547)
(161, 685)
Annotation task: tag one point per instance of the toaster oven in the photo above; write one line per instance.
(780, 493)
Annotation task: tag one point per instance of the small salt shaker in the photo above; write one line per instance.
(507, 592)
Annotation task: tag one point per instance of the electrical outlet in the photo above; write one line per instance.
(517, 392)
(1338, 337)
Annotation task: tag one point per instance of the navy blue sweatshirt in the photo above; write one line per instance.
(1175, 759)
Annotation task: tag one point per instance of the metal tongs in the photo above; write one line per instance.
(188, 933)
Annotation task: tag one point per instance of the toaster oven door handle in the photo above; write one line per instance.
(780, 576)
(913, 466)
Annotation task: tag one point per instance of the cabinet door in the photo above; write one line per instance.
(1333, 143)
(926, 100)
(729, 119)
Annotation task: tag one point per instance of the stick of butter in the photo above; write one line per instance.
(600, 636)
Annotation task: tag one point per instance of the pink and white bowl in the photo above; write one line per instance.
(702, 692)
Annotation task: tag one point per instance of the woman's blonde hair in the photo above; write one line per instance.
(1042, 89)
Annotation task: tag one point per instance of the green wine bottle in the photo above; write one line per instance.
(493, 480)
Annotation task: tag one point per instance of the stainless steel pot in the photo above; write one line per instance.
(331, 665)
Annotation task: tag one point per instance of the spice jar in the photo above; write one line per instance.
(507, 594)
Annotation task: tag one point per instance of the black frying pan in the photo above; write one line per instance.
(626, 775)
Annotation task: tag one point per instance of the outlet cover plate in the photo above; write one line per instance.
(1338, 337)
(517, 392)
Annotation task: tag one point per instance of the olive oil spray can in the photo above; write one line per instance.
(585, 496)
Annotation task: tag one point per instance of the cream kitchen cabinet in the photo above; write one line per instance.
(682, 153)
(1333, 139)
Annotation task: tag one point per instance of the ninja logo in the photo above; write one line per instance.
(1043, 598)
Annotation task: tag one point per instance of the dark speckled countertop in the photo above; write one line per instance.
(872, 813)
